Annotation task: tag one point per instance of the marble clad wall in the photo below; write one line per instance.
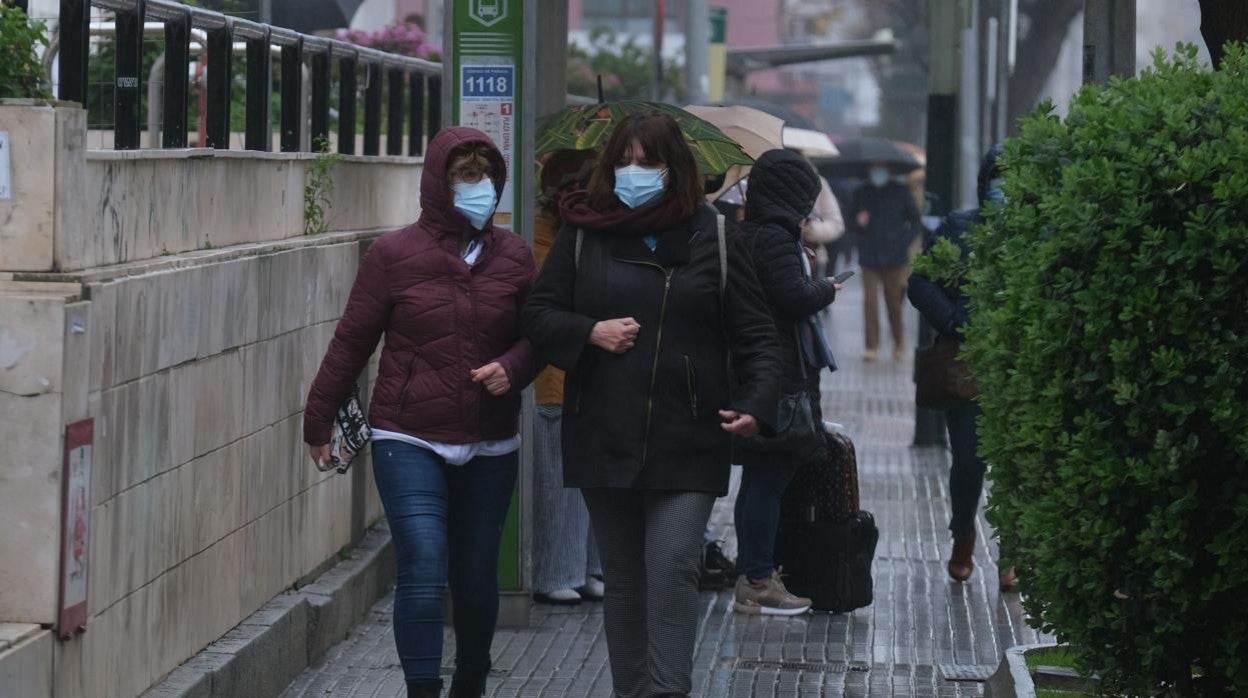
(190, 329)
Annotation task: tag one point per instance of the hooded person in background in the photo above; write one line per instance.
(778, 212)
(945, 307)
(888, 220)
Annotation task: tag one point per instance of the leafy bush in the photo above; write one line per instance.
(21, 73)
(1109, 336)
(625, 66)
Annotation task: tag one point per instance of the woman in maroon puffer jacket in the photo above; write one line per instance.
(446, 292)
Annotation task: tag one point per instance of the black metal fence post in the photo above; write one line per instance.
(75, 38)
(320, 97)
(177, 80)
(394, 112)
(416, 119)
(129, 61)
(372, 109)
(220, 55)
(259, 134)
(346, 105)
(292, 97)
(435, 105)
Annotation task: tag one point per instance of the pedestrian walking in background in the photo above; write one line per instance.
(446, 293)
(566, 569)
(824, 227)
(888, 220)
(945, 307)
(783, 194)
(644, 309)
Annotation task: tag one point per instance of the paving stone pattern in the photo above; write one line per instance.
(896, 647)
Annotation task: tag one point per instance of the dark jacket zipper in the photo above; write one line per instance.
(407, 382)
(654, 369)
(692, 377)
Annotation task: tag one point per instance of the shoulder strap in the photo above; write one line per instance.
(580, 238)
(723, 255)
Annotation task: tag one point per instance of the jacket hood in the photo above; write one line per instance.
(988, 170)
(783, 189)
(437, 201)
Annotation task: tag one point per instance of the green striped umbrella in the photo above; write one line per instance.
(587, 127)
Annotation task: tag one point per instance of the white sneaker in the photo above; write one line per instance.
(559, 597)
(593, 590)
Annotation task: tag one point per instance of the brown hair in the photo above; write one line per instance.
(663, 142)
(470, 162)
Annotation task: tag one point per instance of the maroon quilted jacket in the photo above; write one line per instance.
(441, 319)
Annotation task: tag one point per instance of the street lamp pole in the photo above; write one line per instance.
(1108, 40)
(945, 24)
(697, 50)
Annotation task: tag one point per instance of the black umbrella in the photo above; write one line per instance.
(308, 16)
(858, 154)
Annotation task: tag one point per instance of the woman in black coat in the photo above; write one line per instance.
(644, 309)
(945, 307)
(782, 195)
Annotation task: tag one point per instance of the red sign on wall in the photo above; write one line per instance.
(75, 528)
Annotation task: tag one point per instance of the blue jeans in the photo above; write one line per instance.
(446, 522)
(757, 517)
(966, 474)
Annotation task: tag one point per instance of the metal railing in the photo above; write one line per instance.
(413, 86)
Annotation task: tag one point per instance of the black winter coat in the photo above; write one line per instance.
(783, 189)
(894, 223)
(944, 307)
(648, 418)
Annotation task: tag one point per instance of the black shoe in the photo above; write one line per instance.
(467, 684)
(424, 689)
(715, 569)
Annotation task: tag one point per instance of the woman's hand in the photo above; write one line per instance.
(320, 456)
(864, 219)
(494, 377)
(616, 336)
(738, 423)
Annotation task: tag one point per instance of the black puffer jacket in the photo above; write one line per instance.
(648, 418)
(783, 189)
(943, 306)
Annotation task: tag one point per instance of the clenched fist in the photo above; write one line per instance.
(616, 336)
(494, 377)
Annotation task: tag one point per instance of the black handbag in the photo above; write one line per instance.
(796, 430)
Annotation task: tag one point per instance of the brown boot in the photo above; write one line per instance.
(961, 563)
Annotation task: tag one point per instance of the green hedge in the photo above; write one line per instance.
(1109, 336)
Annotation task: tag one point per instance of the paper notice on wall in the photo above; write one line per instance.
(6, 168)
(487, 103)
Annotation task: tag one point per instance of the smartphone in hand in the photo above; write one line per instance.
(840, 278)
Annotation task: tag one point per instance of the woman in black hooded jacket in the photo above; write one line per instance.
(782, 194)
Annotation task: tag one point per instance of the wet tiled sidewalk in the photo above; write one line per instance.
(919, 630)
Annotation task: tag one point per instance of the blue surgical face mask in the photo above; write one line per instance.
(636, 185)
(995, 192)
(476, 200)
(878, 176)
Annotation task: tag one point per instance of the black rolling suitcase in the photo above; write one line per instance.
(825, 543)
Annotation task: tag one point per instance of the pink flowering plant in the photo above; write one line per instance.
(404, 39)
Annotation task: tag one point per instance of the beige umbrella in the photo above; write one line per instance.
(754, 130)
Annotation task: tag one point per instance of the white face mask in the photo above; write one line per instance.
(636, 185)
(476, 200)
